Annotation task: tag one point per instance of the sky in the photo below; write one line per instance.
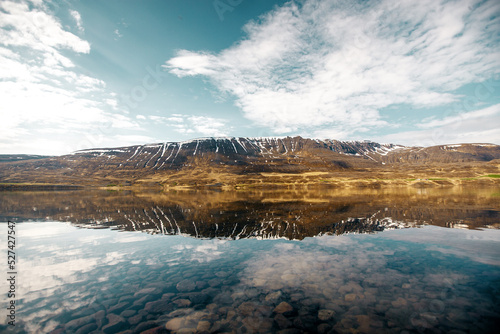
(110, 73)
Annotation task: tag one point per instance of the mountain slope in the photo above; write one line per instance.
(177, 154)
(205, 160)
(20, 157)
(230, 151)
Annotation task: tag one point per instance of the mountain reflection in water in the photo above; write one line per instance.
(260, 214)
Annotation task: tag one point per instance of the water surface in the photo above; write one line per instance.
(343, 261)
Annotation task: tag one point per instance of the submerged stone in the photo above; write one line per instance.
(283, 307)
(246, 308)
(222, 274)
(100, 317)
(143, 326)
(203, 326)
(400, 302)
(198, 297)
(186, 285)
(323, 328)
(290, 331)
(182, 302)
(324, 315)
(174, 324)
(180, 313)
(134, 320)
(77, 323)
(146, 291)
(364, 323)
(258, 324)
(128, 313)
(282, 321)
(350, 297)
(273, 296)
(215, 282)
(155, 330)
(159, 306)
(86, 329)
(115, 324)
(118, 307)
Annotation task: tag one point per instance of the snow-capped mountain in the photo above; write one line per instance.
(205, 159)
(175, 154)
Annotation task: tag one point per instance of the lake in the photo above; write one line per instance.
(389, 260)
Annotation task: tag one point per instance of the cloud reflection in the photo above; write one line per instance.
(477, 245)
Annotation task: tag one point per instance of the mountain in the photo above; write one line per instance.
(222, 161)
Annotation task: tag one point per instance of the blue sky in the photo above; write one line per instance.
(82, 74)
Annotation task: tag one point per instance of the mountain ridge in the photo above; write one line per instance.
(280, 145)
(205, 160)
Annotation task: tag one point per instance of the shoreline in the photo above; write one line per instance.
(38, 187)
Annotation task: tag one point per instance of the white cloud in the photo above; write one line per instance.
(469, 127)
(36, 29)
(118, 34)
(208, 126)
(41, 89)
(113, 140)
(331, 66)
(462, 117)
(78, 20)
(175, 119)
(195, 125)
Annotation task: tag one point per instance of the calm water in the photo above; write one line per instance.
(317, 261)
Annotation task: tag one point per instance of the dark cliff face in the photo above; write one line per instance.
(237, 156)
